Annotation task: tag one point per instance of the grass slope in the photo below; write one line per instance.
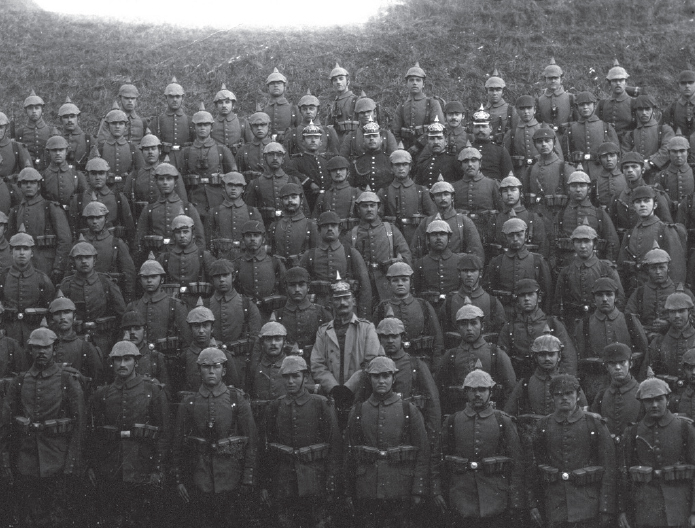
(458, 42)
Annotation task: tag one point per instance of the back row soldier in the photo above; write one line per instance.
(135, 126)
(173, 127)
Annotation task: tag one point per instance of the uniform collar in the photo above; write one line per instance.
(661, 422)
(611, 316)
(45, 373)
(678, 170)
(177, 113)
(132, 382)
(405, 301)
(333, 246)
(444, 255)
(38, 124)
(630, 384)
(216, 392)
(586, 202)
(475, 293)
(592, 118)
(550, 93)
(296, 217)
(226, 296)
(282, 100)
(407, 183)
(575, 415)
(293, 307)
(501, 102)
(589, 263)
(650, 220)
(520, 254)
(28, 272)
(63, 167)
(529, 124)
(390, 399)
(479, 343)
(158, 296)
(331, 324)
(545, 376)
(549, 159)
(68, 337)
(620, 98)
(300, 400)
(472, 413)
(207, 143)
(534, 316)
(113, 141)
(172, 198)
(261, 255)
(270, 175)
(231, 116)
(267, 361)
(687, 332)
(89, 279)
(190, 248)
(239, 202)
(418, 97)
(655, 287)
(652, 122)
(478, 176)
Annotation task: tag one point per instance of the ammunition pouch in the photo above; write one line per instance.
(419, 400)
(347, 224)
(433, 297)
(602, 246)
(258, 407)
(272, 302)
(203, 289)
(33, 316)
(320, 287)
(565, 244)
(505, 297)
(422, 345)
(116, 278)
(555, 200)
(590, 363)
(105, 325)
(153, 242)
(393, 455)
(521, 161)
(240, 347)
(191, 180)
(270, 213)
(630, 266)
(55, 427)
(304, 455)
(532, 199)
(169, 346)
(214, 179)
(46, 241)
(140, 432)
(232, 446)
(173, 289)
(580, 477)
(111, 179)
(224, 245)
(118, 231)
(413, 220)
(674, 383)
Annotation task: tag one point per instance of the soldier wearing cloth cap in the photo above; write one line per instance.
(517, 263)
(215, 446)
(249, 157)
(15, 156)
(342, 113)
(202, 165)
(35, 132)
(438, 158)
(152, 363)
(173, 127)
(679, 114)
(372, 168)
(380, 243)
(474, 352)
(555, 105)
(619, 108)
(340, 196)
(186, 263)
(43, 220)
(405, 202)
(683, 402)
(300, 470)
(318, 139)
(41, 436)
(223, 224)
(574, 481)
(61, 181)
(464, 235)
(483, 463)
(604, 326)
(25, 292)
(98, 299)
(118, 150)
(129, 440)
(526, 324)
(574, 288)
(79, 142)
(475, 192)
(301, 317)
(353, 144)
(387, 462)
(136, 127)
(584, 136)
(259, 275)
(115, 259)
(5, 249)
(292, 234)
(154, 231)
(496, 162)
(282, 113)
(609, 182)
(677, 179)
(653, 492)
(237, 319)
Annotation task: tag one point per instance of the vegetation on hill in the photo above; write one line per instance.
(458, 43)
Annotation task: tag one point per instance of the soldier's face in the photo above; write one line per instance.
(565, 400)
(3, 130)
(338, 175)
(470, 166)
(124, 366)
(478, 396)
(342, 306)
(644, 114)
(510, 195)
(678, 157)
(274, 160)
(604, 301)
(21, 255)
(644, 207)
(233, 190)
(618, 86)
(579, 191)
(212, 374)
(470, 278)
(632, 171)
(401, 170)
(224, 106)
(470, 329)
(297, 291)
(544, 145)
(381, 383)
(372, 142)
(308, 112)
(150, 283)
(69, 122)
(29, 188)
(658, 273)
(586, 109)
(201, 333)
(400, 286)
(58, 155)
(174, 102)
(272, 345)
(526, 113)
(453, 119)
(253, 241)
(41, 355)
(618, 370)
(97, 179)
(369, 211)
(366, 116)
(276, 88)
(443, 200)
(528, 301)
(134, 334)
(482, 131)
(294, 382)
(166, 184)
(687, 88)
(689, 372)
(291, 203)
(437, 143)
(583, 247)
(183, 236)
(678, 318)
(516, 240)
(329, 232)
(391, 343)
(117, 128)
(202, 130)
(312, 143)
(84, 263)
(128, 103)
(438, 240)
(223, 283)
(34, 112)
(553, 83)
(494, 95)
(655, 408)
(63, 319)
(260, 130)
(609, 161)
(340, 83)
(547, 360)
(151, 154)
(415, 85)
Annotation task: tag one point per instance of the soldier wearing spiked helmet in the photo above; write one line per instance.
(35, 132)
(437, 158)
(228, 129)
(371, 168)
(5, 250)
(135, 126)
(173, 127)
(61, 180)
(476, 194)
(610, 181)
(152, 364)
(282, 113)
(342, 113)
(679, 114)
(15, 157)
(354, 144)
(249, 156)
(79, 142)
(619, 108)
(502, 114)
(683, 399)
(298, 140)
(496, 162)
(435, 272)
(555, 105)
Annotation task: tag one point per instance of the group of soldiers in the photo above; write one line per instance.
(472, 317)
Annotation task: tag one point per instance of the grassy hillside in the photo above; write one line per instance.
(458, 42)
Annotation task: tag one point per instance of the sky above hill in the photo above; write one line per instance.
(225, 14)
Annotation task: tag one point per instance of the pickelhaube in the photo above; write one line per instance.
(604, 284)
(221, 267)
(416, 71)
(552, 69)
(438, 226)
(150, 140)
(68, 108)
(273, 329)
(337, 70)
(21, 238)
(689, 357)
(308, 99)
(276, 76)
(224, 94)
(400, 156)
(116, 116)
(151, 267)
(128, 90)
(202, 116)
(56, 142)
(132, 318)
(328, 217)
(3, 218)
(441, 186)
(83, 249)
(42, 336)
(29, 174)
(33, 99)
(546, 343)
(211, 356)
(616, 72)
(678, 143)
(124, 348)
(381, 364)
(340, 288)
(166, 169)
(364, 104)
(678, 300)
(97, 164)
(656, 255)
(181, 221)
(234, 178)
(436, 129)
(367, 196)
(469, 152)
(273, 146)
(584, 230)
(478, 378)
(370, 128)
(61, 303)
(399, 269)
(174, 88)
(514, 225)
(3, 119)
(258, 118)
(495, 81)
(293, 365)
(469, 311)
(652, 388)
(481, 116)
(579, 177)
(390, 326)
(200, 314)
(511, 181)
(312, 130)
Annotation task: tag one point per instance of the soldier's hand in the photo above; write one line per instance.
(440, 503)
(265, 497)
(536, 516)
(7, 476)
(622, 521)
(92, 477)
(416, 500)
(183, 493)
(577, 156)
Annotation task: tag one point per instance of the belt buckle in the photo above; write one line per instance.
(383, 454)
(565, 475)
(183, 289)
(474, 465)
(442, 296)
(529, 161)
(20, 316)
(176, 147)
(278, 212)
(167, 241)
(587, 157)
(555, 128)
(374, 265)
(65, 207)
(125, 434)
(204, 180)
(646, 161)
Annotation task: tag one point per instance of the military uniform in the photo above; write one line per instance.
(124, 159)
(174, 129)
(522, 150)
(584, 136)
(339, 197)
(15, 157)
(537, 234)
(249, 158)
(293, 142)
(555, 107)
(264, 194)
(647, 301)
(464, 238)
(548, 176)
(680, 115)
(20, 290)
(114, 260)
(625, 217)
(225, 221)
(185, 266)
(158, 308)
(141, 186)
(618, 111)
(479, 193)
(429, 166)
(259, 276)
(502, 118)
(34, 136)
(495, 316)
(436, 275)
(666, 350)
(310, 168)
(678, 183)
(81, 355)
(80, 144)
(406, 202)
(371, 169)
(119, 214)
(193, 379)
(136, 128)
(283, 115)
(153, 365)
(9, 195)
(649, 141)
(619, 406)
(413, 115)
(302, 321)
(352, 145)
(532, 395)
(230, 131)
(292, 236)
(61, 183)
(608, 185)
(342, 114)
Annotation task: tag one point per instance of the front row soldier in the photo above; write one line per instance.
(483, 463)
(388, 456)
(215, 447)
(300, 470)
(129, 440)
(41, 437)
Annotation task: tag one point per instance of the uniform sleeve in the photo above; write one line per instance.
(228, 161)
(506, 373)
(610, 235)
(95, 366)
(177, 451)
(500, 316)
(126, 266)
(126, 217)
(513, 451)
(435, 330)
(63, 236)
(199, 234)
(248, 428)
(569, 353)
(558, 298)
(398, 122)
(511, 406)
(400, 245)
(117, 306)
(331, 435)
(360, 273)
(391, 143)
(320, 370)
(182, 328)
(506, 165)
(418, 437)
(76, 406)
(606, 456)
(628, 142)
(160, 414)
(471, 239)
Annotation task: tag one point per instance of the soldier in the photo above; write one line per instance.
(5, 249)
(187, 264)
(609, 182)
(496, 162)
(584, 136)
(173, 127)
(202, 165)
(237, 319)
(215, 446)
(619, 108)
(249, 157)
(380, 244)
(136, 127)
(130, 421)
(506, 271)
(570, 440)
(15, 155)
(79, 142)
(340, 196)
(528, 322)
(666, 440)
(120, 152)
(228, 129)
(264, 191)
(43, 220)
(574, 288)
(331, 257)
(41, 436)
(259, 275)
(371, 168)
(682, 401)
(604, 326)
(325, 139)
(472, 437)
(511, 192)
(301, 317)
(405, 202)
(282, 113)
(464, 237)
(298, 484)
(353, 144)
(677, 180)
(223, 224)
(386, 493)
(152, 363)
(679, 114)
(473, 352)
(292, 234)
(502, 114)
(342, 113)
(555, 105)
(70, 349)
(310, 163)
(36, 132)
(61, 181)
(438, 158)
